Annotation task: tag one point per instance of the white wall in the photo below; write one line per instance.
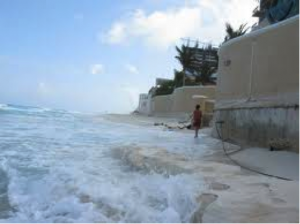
(144, 104)
(262, 66)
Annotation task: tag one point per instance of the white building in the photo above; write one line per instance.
(144, 104)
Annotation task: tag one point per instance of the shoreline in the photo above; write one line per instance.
(233, 194)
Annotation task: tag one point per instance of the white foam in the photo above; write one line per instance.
(3, 106)
(66, 197)
(60, 171)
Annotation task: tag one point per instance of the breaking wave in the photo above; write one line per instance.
(56, 166)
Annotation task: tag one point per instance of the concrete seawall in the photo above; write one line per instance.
(262, 64)
(183, 100)
(259, 126)
(181, 103)
(258, 86)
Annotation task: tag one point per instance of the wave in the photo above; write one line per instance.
(3, 106)
(63, 196)
(31, 110)
(56, 166)
(28, 108)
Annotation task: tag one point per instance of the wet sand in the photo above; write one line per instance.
(233, 194)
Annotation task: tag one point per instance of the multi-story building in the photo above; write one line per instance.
(208, 55)
(273, 11)
(144, 104)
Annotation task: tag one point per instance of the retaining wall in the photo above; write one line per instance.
(258, 85)
(183, 100)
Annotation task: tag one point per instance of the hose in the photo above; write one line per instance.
(237, 163)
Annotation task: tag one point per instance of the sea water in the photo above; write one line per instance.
(56, 166)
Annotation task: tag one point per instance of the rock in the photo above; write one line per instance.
(279, 144)
(219, 186)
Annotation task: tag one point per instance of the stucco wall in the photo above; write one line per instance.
(183, 97)
(162, 104)
(262, 65)
(183, 100)
(209, 106)
(258, 85)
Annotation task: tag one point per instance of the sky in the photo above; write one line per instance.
(99, 55)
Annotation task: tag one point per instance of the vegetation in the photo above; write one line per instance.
(198, 75)
(178, 78)
(205, 73)
(186, 57)
(165, 88)
(231, 33)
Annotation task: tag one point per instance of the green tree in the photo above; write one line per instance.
(178, 78)
(186, 57)
(165, 88)
(204, 74)
(231, 33)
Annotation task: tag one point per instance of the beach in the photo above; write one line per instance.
(232, 193)
(61, 166)
(149, 111)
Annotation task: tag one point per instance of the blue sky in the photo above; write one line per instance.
(96, 55)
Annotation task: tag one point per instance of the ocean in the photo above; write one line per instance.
(58, 166)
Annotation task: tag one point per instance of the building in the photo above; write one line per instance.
(144, 104)
(152, 91)
(257, 94)
(273, 11)
(145, 100)
(204, 56)
(208, 55)
(180, 103)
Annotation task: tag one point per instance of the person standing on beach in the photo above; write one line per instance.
(197, 116)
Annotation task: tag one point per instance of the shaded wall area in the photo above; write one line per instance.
(183, 101)
(261, 126)
(162, 104)
(258, 85)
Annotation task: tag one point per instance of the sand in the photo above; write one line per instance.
(234, 194)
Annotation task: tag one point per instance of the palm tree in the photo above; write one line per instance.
(178, 78)
(186, 57)
(165, 88)
(231, 33)
(205, 71)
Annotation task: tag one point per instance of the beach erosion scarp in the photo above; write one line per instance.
(231, 193)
